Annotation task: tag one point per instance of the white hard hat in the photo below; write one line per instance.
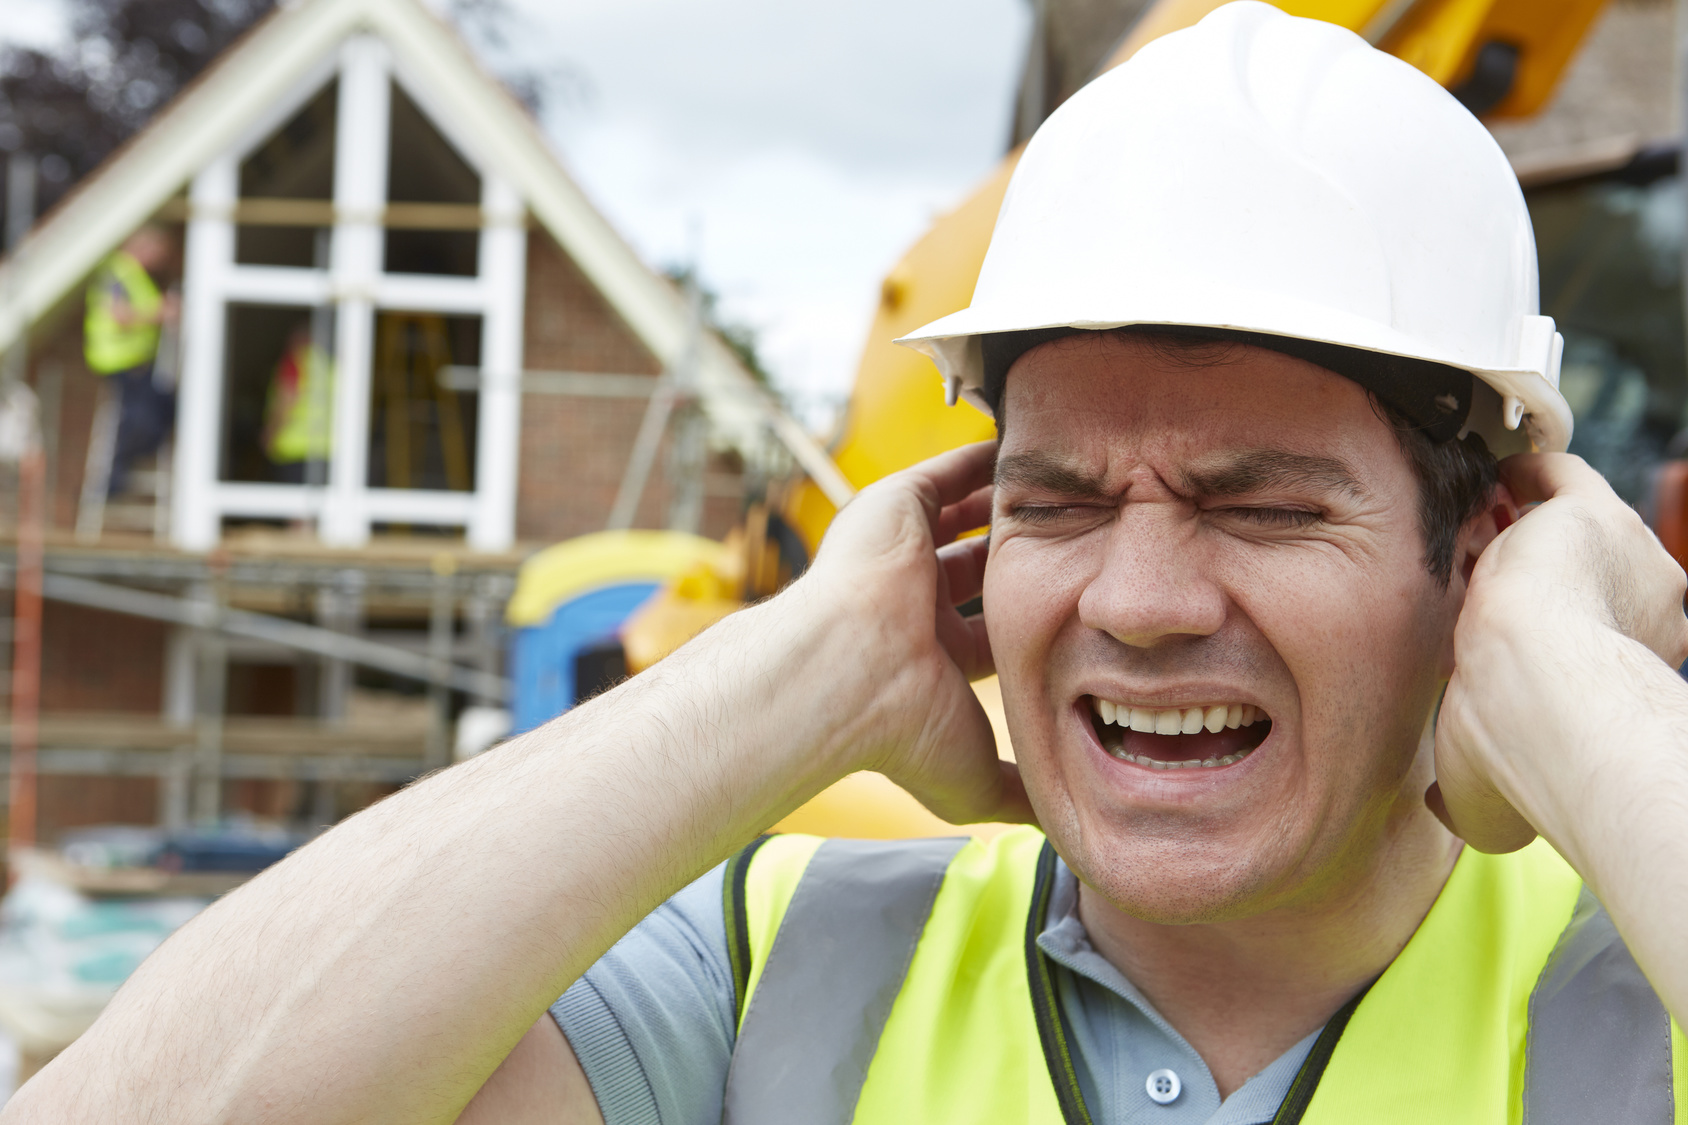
(1277, 180)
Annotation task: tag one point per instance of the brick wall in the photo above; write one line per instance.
(92, 662)
(575, 449)
(80, 801)
(97, 661)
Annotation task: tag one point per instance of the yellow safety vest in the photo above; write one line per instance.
(305, 432)
(107, 345)
(887, 982)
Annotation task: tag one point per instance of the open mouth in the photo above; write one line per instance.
(1164, 738)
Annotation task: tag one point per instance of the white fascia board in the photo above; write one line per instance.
(213, 115)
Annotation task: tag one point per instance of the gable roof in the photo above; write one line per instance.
(264, 66)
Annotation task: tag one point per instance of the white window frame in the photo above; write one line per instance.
(346, 508)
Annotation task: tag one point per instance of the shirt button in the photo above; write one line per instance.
(1164, 1087)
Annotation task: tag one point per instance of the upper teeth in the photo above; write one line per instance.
(1187, 720)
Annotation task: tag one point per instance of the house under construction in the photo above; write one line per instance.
(231, 634)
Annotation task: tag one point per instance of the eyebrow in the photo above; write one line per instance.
(1254, 471)
(1043, 472)
(1247, 473)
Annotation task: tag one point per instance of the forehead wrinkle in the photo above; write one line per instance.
(1253, 471)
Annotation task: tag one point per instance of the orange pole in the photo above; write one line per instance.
(26, 649)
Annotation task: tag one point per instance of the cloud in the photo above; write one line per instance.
(890, 83)
(812, 143)
(34, 23)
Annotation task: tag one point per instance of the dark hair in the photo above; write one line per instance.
(1456, 477)
(1456, 481)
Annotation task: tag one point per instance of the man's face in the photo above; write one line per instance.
(1169, 536)
(151, 249)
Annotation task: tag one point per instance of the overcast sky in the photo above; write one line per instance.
(809, 143)
(801, 146)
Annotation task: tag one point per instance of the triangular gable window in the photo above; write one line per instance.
(352, 249)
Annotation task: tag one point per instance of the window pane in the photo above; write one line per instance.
(277, 394)
(423, 168)
(452, 252)
(305, 247)
(296, 164)
(422, 434)
(298, 161)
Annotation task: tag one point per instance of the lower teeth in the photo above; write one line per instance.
(1193, 763)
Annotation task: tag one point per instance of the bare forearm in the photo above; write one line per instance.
(382, 973)
(1612, 793)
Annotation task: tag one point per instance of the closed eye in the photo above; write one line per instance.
(1274, 517)
(1048, 513)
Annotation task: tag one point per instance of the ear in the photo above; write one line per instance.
(1474, 538)
(1483, 529)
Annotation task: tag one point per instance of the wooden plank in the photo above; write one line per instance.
(241, 735)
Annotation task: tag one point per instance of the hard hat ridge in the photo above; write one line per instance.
(1278, 178)
(1435, 397)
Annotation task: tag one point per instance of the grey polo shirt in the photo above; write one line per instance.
(653, 1024)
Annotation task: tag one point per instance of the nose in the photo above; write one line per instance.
(1151, 583)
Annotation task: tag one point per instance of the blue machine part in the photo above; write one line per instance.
(542, 656)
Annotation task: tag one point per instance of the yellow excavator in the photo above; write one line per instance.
(1502, 58)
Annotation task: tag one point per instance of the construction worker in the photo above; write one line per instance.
(1292, 683)
(128, 308)
(298, 414)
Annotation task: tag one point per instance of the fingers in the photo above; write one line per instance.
(960, 579)
(1595, 550)
(962, 565)
(972, 511)
(885, 520)
(953, 477)
(1535, 478)
(966, 642)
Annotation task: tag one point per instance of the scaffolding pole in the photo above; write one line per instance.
(441, 620)
(211, 681)
(201, 614)
(26, 657)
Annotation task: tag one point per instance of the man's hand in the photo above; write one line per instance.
(894, 564)
(1565, 715)
(1547, 596)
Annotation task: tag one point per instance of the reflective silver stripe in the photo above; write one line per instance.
(826, 990)
(1598, 1047)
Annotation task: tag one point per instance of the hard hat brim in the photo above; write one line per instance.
(1525, 411)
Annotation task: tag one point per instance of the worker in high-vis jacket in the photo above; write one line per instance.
(128, 307)
(1344, 703)
(299, 409)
